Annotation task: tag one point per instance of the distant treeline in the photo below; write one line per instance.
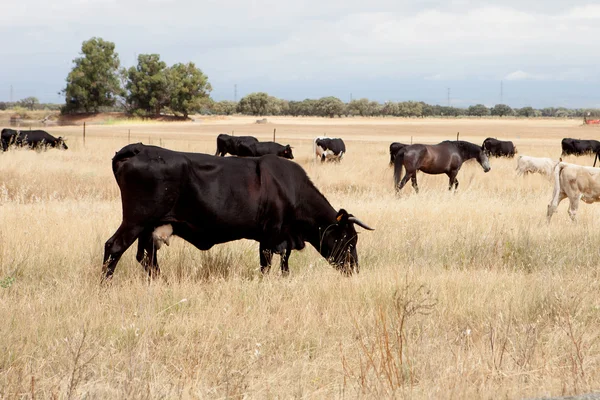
(263, 104)
(29, 103)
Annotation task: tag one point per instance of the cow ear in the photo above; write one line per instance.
(342, 217)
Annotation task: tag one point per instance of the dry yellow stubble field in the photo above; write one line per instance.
(466, 295)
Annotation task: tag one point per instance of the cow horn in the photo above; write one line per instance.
(360, 223)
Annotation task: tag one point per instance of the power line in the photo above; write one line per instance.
(235, 92)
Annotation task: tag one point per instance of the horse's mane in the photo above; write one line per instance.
(467, 149)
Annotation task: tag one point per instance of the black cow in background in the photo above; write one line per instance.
(329, 149)
(579, 147)
(207, 200)
(499, 148)
(260, 149)
(33, 139)
(395, 147)
(230, 144)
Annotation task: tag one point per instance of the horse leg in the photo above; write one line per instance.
(413, 179)
(453, 180)
(405, 180)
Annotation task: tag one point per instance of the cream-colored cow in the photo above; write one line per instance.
(574, 182)
(541, 165)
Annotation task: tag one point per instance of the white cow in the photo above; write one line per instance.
(575, 182)
(540, 165)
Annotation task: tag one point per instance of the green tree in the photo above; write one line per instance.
(258, 103)
(225, 107)
(478, 110)
(188, 88)
(93, 82)
(501, 110)
(526, 112)
(147, 85)
(390, 108)
(359, 107)
(330, 107)
(29, 102)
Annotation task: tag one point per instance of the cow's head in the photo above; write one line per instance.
(60, 143)
(338, 242)
(287, 152)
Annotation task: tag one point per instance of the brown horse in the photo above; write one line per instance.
(443, 158)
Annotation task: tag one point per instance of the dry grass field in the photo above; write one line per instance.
(466, 295)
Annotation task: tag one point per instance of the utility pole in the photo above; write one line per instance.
(501, 92)
(235, 92)
(448, 97)
(11, 93)
(350, 97)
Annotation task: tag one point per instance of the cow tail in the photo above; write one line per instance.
(398, 164)
(595, 159)
(557, 169)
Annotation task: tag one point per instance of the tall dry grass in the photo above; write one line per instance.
(466, 295)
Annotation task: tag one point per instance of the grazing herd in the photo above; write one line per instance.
(260, 195)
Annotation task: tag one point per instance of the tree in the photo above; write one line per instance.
(225, 107)
(29, 102)
(187, 88)
(501, 110)
(147, 85)
(255, 104)
(478, 110)
(526, 112)
(93, 82)
(359, 107)
(330, 107)
(390, 108)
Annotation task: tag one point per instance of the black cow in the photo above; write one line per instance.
(208, 200)
(329, 149)
(260, 149)
(230, 144)
(395, 147)
(579, 147)
(31, 138)
(499, 148)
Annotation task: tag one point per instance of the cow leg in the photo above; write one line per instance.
(554, 204)
(116, 246)
(285, 257)
(573, 206)
(147, 254)
(266, 256)
(413, 179)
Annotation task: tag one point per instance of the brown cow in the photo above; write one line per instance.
(575, 182)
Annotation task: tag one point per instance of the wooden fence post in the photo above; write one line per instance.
(457, 133)
(274, 130)
(83, 133)
(129, 136)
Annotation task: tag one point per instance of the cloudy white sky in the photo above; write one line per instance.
(545, 52)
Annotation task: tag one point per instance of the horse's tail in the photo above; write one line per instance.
(398, 164)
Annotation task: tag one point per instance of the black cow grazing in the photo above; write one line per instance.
(208, 200)
(579, 147)
(230, 144)
(33, 139)
(260, 149)
(329, 149)
(395, 147)
(499, 148)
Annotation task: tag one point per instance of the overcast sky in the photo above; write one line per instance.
(545, 52)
